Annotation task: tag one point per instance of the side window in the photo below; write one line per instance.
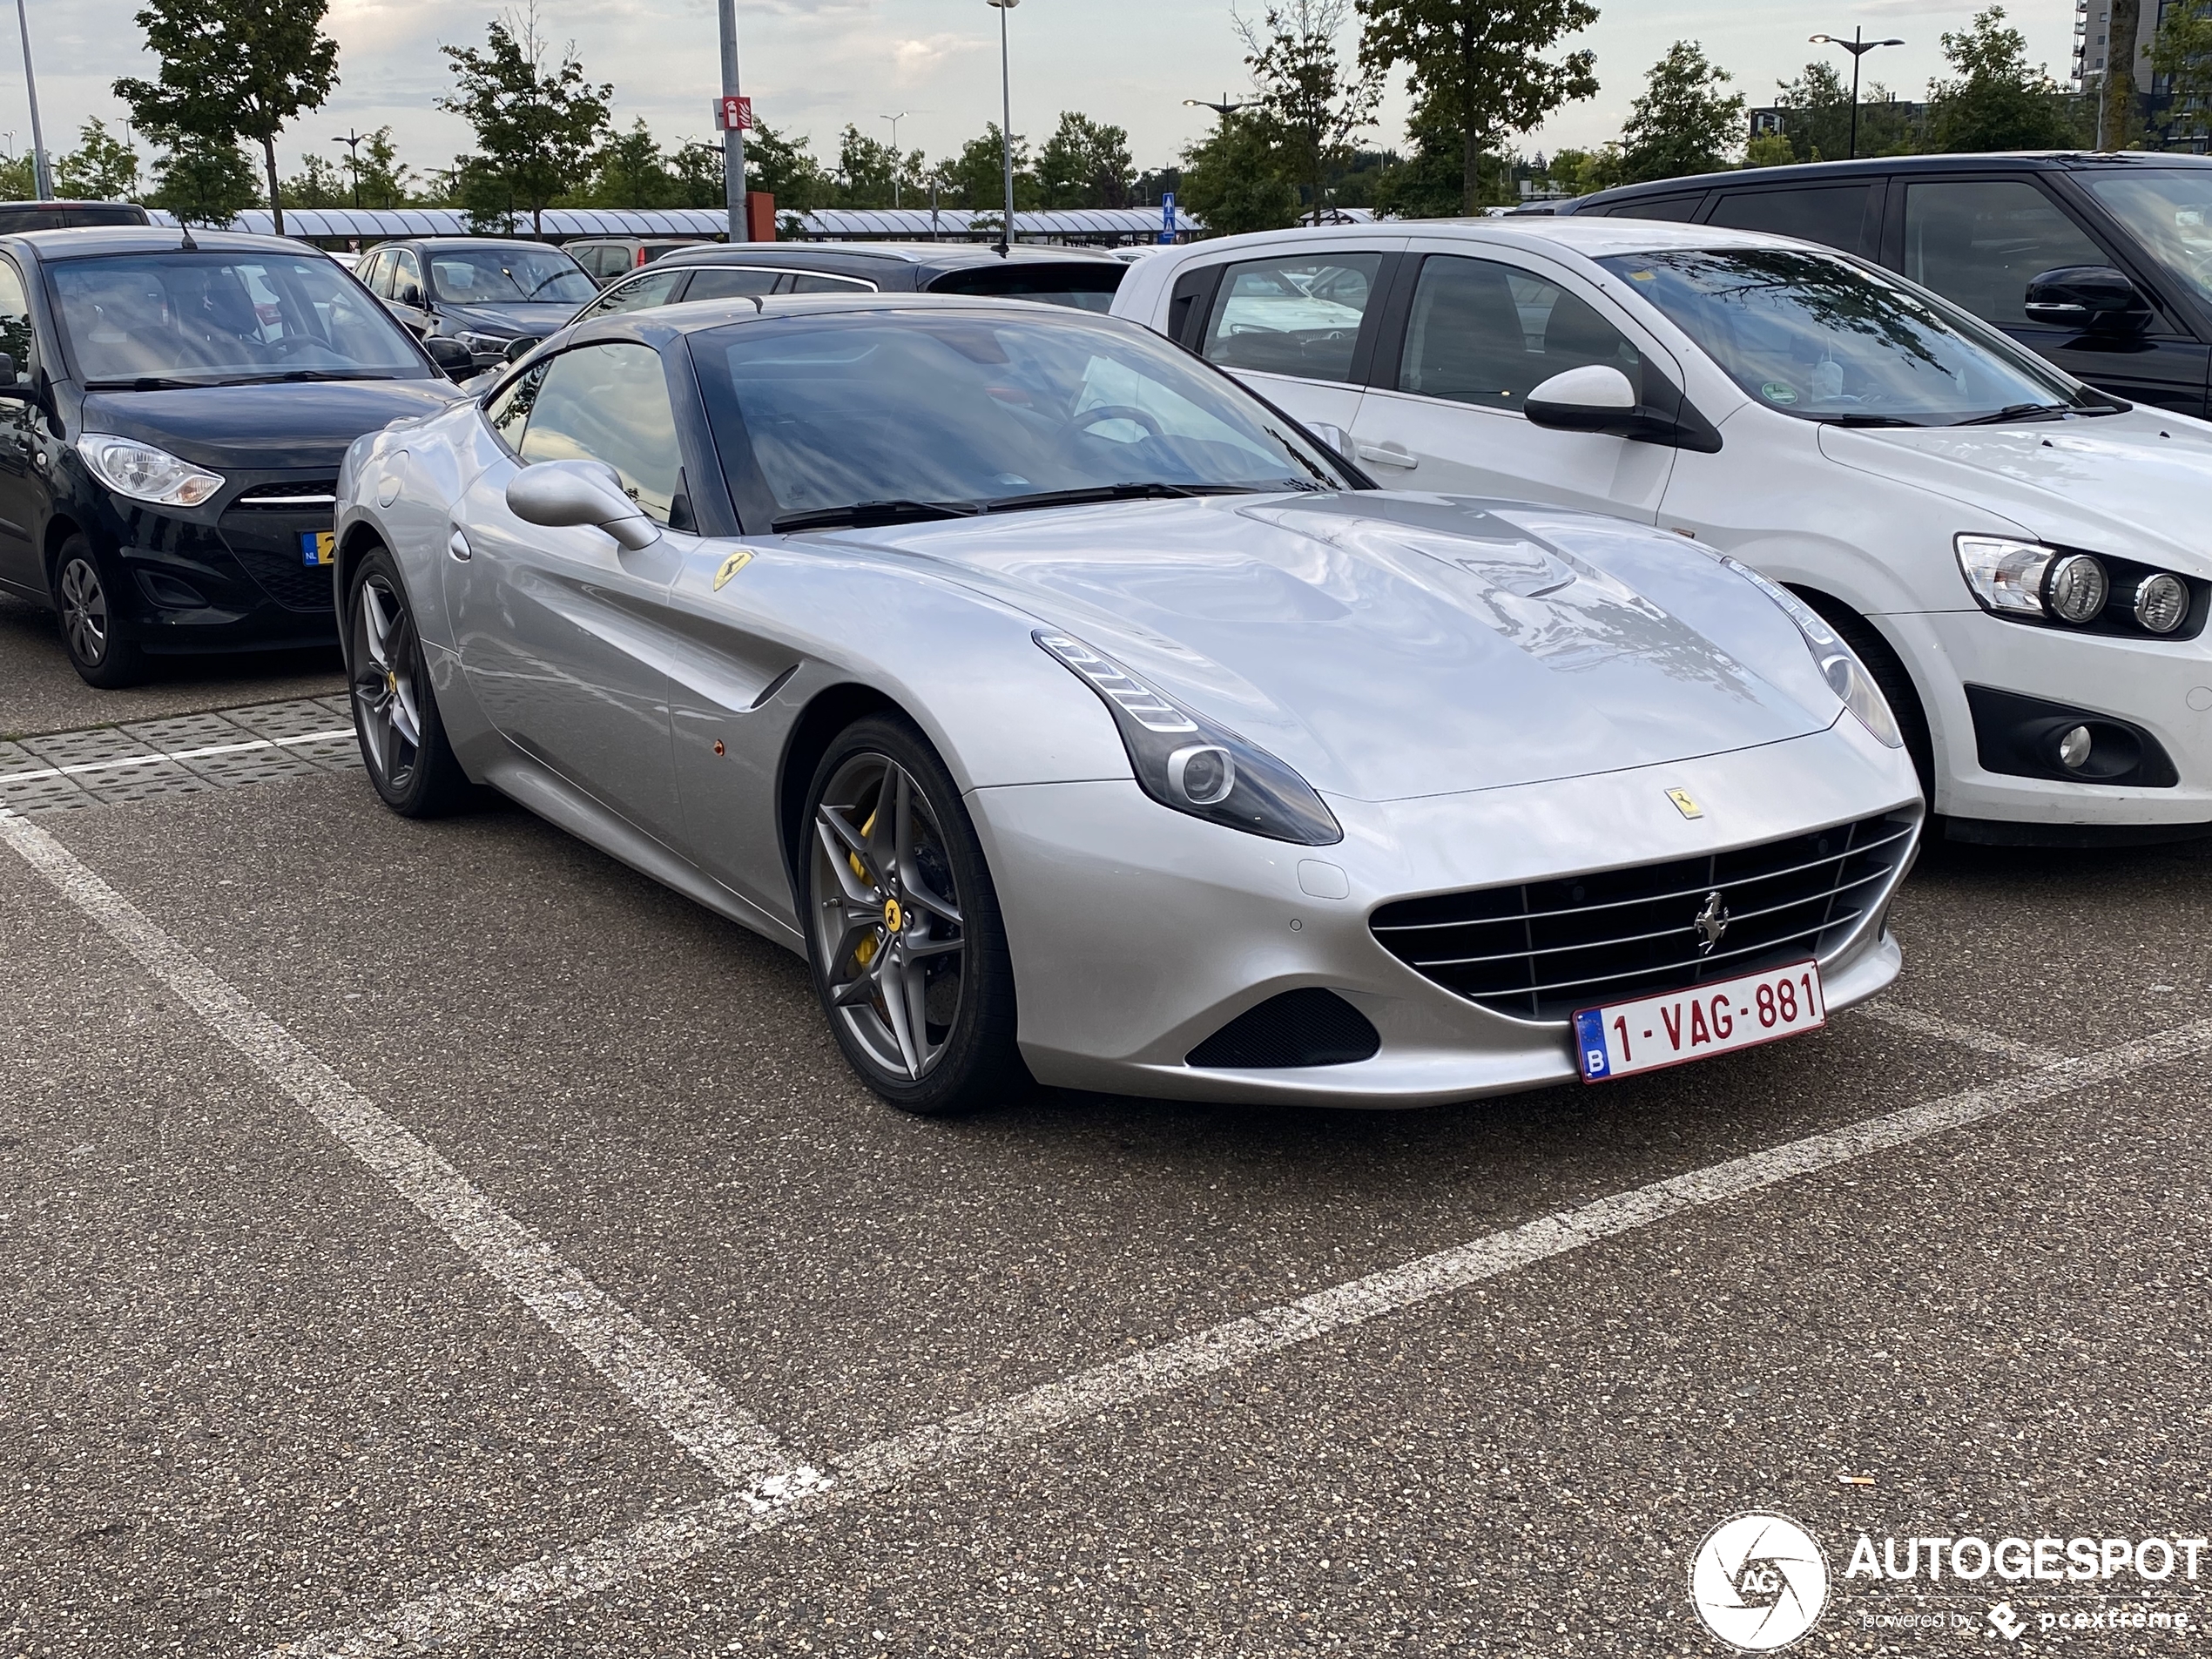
(814, 282)
(16, 338)
(1489, 334)
(406, 275)
(609, 403)
(1291, 316)
(374, 272)
(1834, 215)
(509, 412)
(729, 282)
(1977, 241)
(647, 290)
(1680, 208)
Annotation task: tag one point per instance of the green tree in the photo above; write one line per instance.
(1769, 150)
(631, 171)
(1084, 164)
(19, 178)
(232, 72)
(381, 179)
(537, 124)
(2182, 53)
(102, 167)
(782, 165)
(976, 178)
(1310, 104)
(1994, 99)
(866, 169)
(1818, 113)
(320, 183)
(1682, 124)
(1231, 181)
(202, 181)
(1480, 65)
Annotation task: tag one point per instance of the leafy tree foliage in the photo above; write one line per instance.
(231, 71)
(1682, 124)
(1994, 99)
(202, 181)
(1232, 179)
(102, 167)
(783, 166)
(382, 179)
(1478, 66)
(2182, 53)
(538, 124)
(975, 179)
(1310, 102)
(320, 183)
(1819, 121)
(1084, 164)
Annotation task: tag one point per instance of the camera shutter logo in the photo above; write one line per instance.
(1759, 1582)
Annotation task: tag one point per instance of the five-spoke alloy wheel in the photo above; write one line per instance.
(394, 715)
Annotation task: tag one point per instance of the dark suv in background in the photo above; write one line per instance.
(2101, 262)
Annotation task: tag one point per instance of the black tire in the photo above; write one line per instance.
(395, 713)
(868, 910)
(1888, 674)
(85, 596)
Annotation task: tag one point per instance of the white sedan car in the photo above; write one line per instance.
(2019, 558)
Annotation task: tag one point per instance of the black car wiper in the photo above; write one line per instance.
(2017, 412)
(862, 513)
(1108, 492)
(145, 383)
(1864, 420)
(302, 374)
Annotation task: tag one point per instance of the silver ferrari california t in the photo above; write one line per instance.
(1079, 716)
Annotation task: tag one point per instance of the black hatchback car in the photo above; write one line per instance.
(172, 414)
(483, 292)
(2102, 262)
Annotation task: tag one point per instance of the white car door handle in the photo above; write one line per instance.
(1389, 454)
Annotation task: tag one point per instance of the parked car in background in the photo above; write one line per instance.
(605, 258)
(1316, 793)
(2102, 262)
(171, 418)
(15, 217)
(483, 292)
(2019, 558)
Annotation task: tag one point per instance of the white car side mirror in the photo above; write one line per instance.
(1335, 436)
(1599, 388)
(563, 494)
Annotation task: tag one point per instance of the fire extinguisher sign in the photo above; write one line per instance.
(733, 114)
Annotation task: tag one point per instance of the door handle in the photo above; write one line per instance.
(457, 545)
(1390, 454)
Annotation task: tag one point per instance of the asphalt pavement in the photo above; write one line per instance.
(435, 1238)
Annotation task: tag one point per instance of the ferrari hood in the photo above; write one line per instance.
(1398, 645)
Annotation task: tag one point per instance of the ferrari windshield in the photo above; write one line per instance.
(207, 317)
(500, 275)
(1823, 339)
(975, 410)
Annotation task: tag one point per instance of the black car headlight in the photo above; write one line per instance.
(1194, 765)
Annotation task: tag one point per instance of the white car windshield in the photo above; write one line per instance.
(1824, 339)
(963, 412)
(208, 318)
(495, 276)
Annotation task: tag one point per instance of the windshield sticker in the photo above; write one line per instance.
(1644, 276)
(1779, 392)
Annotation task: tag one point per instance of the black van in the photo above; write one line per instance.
(2101, 262)
(17, 216)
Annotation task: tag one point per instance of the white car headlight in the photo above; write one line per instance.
(2005, 576)
(145, 473)
(483, 345)
(1846, 676)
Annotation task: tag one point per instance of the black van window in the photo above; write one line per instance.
(1834, 215)
(1979, 241)
(1674, 208)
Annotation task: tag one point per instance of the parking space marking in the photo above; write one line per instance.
(200, 753)
(1965, 1036)
(431, 1623)
(687, 1405)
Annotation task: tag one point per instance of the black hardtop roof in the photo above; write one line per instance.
(1805, 172)
(86, 239)
(934, 255)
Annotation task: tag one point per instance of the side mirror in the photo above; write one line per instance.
(563, 494)
(9, 384)
(2095, 299)
(450, 355)
(410, 293)
(521, 346)
(1335, 437)
(1598, 397)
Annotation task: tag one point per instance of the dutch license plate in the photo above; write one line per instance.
(317, 547)
(1659, 1031)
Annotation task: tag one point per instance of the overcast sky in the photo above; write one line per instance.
(812, 66)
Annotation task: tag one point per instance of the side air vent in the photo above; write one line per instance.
(1308, 1028)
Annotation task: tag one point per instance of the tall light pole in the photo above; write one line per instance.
(733, 135)
(1225, 109)
(1006, 118)
(41, 180)
(896, 164)
(1858, 49)
(352, 140)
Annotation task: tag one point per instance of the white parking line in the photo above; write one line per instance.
(429, 1623)
(1965, 1036)
(162, 758)
(690, 1406)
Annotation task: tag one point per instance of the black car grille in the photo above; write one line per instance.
(1544, 949)
(263, 527)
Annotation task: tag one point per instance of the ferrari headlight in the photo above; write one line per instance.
(145, 473)
(1846, 676)
(1186, 761)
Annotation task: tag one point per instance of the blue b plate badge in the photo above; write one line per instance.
(1653, 1032)
(317, 547)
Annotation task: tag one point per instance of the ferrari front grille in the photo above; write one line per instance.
(1543, 949)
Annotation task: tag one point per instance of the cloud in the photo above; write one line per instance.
(913, 60)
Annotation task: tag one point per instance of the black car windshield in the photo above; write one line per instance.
(2170, 209)
(984, 409)
(1087, 284)
(210, 317)
(1824, 339)
(507, 276)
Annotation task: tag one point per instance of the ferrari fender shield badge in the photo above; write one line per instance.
(730, 566)
(1684, 803)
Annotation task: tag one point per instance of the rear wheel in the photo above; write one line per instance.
(902, 925)
(402, 741)
(82, 595)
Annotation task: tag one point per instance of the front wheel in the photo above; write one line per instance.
(902, 925)
(402, 741)
(88, 621)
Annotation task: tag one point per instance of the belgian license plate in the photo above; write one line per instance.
(317, 547)
(1659, 1031)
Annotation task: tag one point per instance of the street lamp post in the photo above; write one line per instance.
(1225, 109)
(1857, 48)
(1006, 118)
(42, 182)
(733, 135)
(352, 140)
(895, 163)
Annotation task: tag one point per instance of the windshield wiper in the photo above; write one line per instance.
(304, 374)
(1864, 420)
(2017, 412)
(1108, 492)
(145, 383)
(862, 513)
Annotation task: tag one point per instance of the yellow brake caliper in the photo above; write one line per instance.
(868, 947)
